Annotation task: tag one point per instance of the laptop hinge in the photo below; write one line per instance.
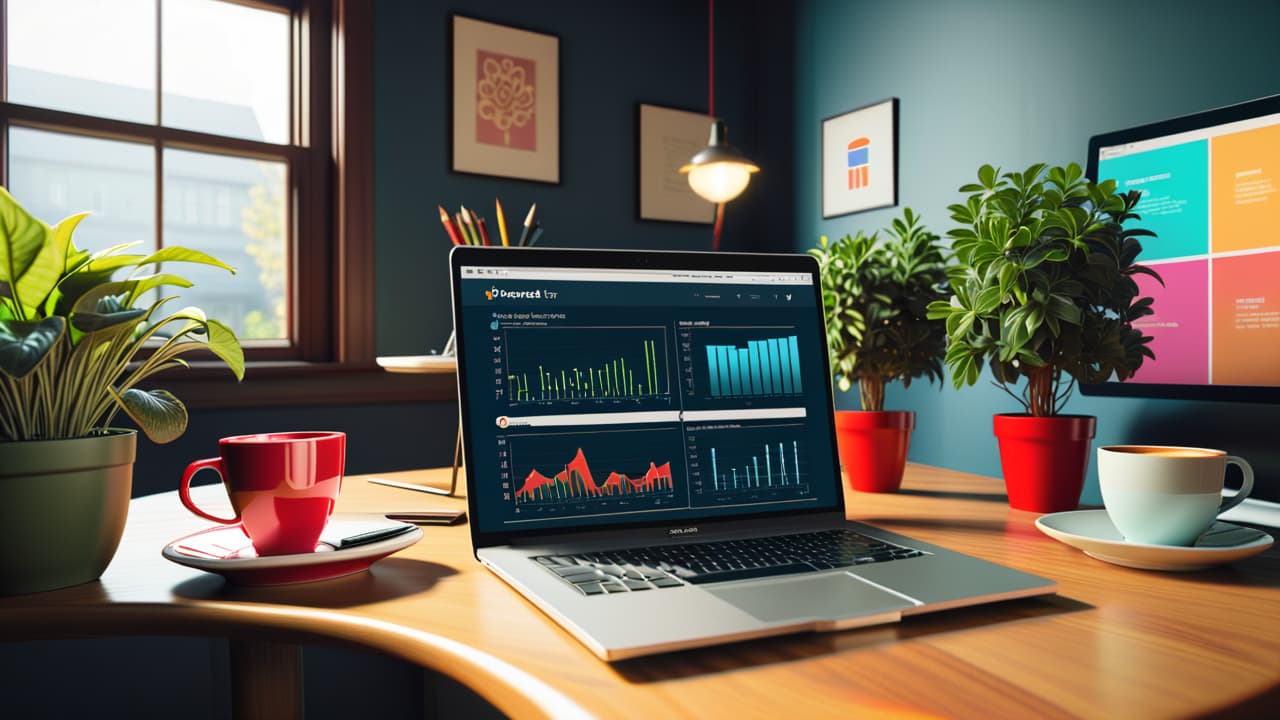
(688, 531)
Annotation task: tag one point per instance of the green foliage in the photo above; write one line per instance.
(1043, 285)
(876, 293)
(72, 341)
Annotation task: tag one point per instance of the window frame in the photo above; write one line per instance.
(331, 358)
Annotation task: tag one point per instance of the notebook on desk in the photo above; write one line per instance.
(651, 457)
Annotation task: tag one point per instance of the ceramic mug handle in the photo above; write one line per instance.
(215, 464)
(1246, 487)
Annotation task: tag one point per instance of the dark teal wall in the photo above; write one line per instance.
(380, 438)
(613, 55)
(1012, 82)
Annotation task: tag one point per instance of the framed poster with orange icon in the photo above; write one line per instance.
(860, 159)
(506, 101)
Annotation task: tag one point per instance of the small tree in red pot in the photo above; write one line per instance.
(876, 294)
(1043, 289)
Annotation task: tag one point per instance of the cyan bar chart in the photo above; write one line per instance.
(763, 367)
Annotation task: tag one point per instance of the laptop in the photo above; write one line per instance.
(650, 448)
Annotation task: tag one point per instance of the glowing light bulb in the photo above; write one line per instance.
(719, 172)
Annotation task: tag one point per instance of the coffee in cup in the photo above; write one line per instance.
(1165, 495)
(282, 486)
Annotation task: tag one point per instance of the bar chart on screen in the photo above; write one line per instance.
(734, 462)
(755, 363)
(585, 365)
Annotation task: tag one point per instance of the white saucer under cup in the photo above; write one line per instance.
(1093, 532)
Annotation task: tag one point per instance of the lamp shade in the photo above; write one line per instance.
(719, 172)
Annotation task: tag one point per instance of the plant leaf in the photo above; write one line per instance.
(24, 344)
(223, 343)
(176, 253)
(31, 257)
(147, 282)
(91, 321)
(88, 276)
(43, 277)
(21, 238)
(161, 416)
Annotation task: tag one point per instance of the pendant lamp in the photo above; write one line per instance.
(719, 172)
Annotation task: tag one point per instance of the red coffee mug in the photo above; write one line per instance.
(282, 486)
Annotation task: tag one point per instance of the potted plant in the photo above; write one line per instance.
(875, 295)
(74, 345)
(1043, 289)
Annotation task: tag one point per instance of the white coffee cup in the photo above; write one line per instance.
(1165, 495)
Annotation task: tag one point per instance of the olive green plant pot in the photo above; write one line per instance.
(63, 505)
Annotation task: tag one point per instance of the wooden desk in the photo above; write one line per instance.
(1114, 643)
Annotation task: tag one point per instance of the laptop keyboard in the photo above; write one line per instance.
(662, 566)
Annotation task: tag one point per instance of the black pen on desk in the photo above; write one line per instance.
(537, 233)
(428, 517)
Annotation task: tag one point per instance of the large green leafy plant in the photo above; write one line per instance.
(72, 337)
(876, 293)
(1043, 285)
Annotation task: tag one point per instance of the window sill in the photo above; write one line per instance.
(266, 384)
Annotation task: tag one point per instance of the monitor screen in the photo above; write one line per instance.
(1210, 185)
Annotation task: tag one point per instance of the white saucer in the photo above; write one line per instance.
(227, 551)
(1092, 532)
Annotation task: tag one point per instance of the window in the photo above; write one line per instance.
(172, 131)
(219, 70)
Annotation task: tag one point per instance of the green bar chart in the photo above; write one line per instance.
(568, 364)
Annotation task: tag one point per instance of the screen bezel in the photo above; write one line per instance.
(1219, 116)
(629, 260)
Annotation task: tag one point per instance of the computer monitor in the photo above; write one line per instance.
(1210, 185)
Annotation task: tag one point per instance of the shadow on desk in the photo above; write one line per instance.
(790, 648)
(954, 495)
(387, 580)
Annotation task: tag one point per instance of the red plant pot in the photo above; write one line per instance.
(1044, 459)
(873, 447)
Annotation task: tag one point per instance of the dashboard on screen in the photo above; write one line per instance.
(1210, 185)
(607, 396)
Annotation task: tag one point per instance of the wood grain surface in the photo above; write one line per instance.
(1114, 642)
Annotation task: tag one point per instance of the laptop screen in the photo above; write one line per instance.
(600, 396)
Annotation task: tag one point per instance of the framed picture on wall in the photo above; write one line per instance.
(860, 159)
(506, 101)
(669, 138)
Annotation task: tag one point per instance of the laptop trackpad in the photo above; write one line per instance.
(829, 596)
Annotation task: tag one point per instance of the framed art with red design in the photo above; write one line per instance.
(506, 101)
(860, 159)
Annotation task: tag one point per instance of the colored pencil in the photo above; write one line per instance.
(502, 222)
(449, 227)
(462, 229)
(469, 232)
(537, 233)
(482, 235)
(528, 225)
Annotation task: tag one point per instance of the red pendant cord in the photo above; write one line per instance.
(711, 104)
